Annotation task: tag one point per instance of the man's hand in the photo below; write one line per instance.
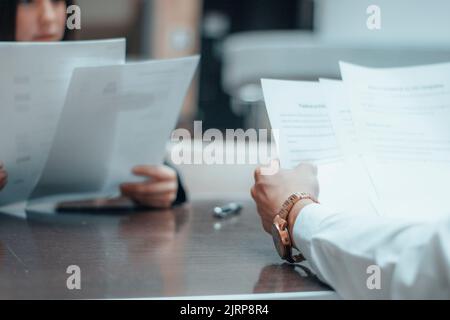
(269, 192)
(3, 176)
(159, 191)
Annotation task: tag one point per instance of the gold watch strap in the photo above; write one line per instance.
(284, 213)
(292, 201)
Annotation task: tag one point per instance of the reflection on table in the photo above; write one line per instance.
(182, 252)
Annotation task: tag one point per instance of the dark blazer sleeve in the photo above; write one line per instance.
(181, 194)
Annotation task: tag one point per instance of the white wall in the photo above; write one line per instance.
(404, 22)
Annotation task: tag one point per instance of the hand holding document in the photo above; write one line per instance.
(77, 119)
(298, 110)
(390, 128)
(114, 118)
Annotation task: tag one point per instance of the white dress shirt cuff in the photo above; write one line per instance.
(307, 224)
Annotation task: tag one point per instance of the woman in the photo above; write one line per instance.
(45, 20)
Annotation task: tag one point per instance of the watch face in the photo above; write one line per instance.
(281, 249)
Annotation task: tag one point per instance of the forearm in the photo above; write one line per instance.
(342, 249)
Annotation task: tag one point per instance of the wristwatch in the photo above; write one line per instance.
(280, 229)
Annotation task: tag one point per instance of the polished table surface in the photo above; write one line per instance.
(184, 252)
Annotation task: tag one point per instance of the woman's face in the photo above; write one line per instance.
(40, 20)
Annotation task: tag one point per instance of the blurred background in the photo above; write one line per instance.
(242, 41)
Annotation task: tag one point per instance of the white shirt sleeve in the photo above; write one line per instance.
(374, 257)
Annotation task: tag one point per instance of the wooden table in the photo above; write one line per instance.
(183, 252)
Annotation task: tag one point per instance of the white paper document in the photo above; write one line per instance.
(34, 79)
(402, 119)
(298, 111)
(114, 118)
(339, 111)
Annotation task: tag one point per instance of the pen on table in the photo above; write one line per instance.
(229, 210)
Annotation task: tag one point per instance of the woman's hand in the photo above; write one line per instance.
(270, 191)
(3, 176)
(159, 191)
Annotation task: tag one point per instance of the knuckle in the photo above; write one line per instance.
(142, 169)
(172, 197)
(173, 186)
(143, 188)
(172, 173)
(253, 192)
(166, 204)
(257, 173)
(259, 185)
(167, 172)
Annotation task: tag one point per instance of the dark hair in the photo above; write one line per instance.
(8, 13)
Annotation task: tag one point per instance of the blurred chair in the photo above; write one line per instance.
(409, 36)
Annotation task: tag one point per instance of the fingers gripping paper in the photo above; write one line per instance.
(115, 118)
